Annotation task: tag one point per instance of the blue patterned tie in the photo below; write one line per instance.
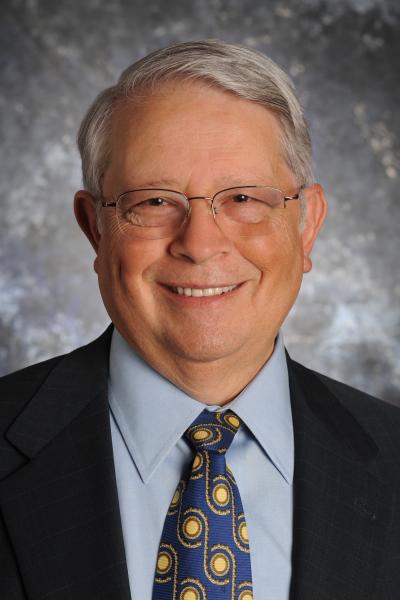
(204, 549)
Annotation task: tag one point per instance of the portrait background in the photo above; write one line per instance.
(344, 58)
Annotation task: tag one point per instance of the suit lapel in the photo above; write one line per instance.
(341, 507)
(61, 506)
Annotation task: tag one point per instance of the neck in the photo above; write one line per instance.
(215, 382)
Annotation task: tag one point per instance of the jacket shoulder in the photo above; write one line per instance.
(17, 388)
(80, 367)
(379, 418)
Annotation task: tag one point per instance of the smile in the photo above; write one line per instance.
(199, 292)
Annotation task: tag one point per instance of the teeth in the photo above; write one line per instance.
(197, 293)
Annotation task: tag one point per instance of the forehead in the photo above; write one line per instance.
(203, 108)
(184, 127)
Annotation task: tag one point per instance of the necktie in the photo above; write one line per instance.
(204, 551)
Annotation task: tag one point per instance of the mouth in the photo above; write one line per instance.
(202, 292)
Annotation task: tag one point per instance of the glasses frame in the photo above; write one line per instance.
(110, 204)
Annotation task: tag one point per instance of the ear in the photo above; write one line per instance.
(86, 215)
(316, 209)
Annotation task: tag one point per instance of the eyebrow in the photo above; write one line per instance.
(224, 180)
(160, 184)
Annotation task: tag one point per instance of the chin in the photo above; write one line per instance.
(203, 348)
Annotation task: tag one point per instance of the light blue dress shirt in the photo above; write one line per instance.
(149, 416)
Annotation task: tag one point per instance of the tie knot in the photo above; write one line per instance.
(213, 431)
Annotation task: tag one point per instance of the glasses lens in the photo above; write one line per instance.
(248, 205)
(151, 213)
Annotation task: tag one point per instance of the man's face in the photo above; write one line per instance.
(198, 140)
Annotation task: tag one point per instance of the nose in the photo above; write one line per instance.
(200, 239)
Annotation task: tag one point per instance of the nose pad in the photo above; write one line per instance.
(210, 210)
(197, 239)
(187, 220)
(210, 205)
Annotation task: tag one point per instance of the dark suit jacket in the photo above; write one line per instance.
(60, 529)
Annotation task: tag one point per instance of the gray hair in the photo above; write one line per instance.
(230, 67)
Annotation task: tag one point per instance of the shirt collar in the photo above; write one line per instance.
(264, 406)
(152, 414)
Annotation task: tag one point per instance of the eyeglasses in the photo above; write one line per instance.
(158, 213)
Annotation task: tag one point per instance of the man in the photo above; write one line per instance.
(202, 210)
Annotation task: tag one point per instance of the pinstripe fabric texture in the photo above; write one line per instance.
(204, 550)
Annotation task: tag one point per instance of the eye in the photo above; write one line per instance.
(154, 202)
(241, 198)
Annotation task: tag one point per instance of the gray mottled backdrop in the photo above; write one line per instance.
(344, 58)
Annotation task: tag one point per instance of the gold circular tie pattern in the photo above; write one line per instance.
(192, 563)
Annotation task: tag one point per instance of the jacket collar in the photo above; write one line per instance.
(77, 378)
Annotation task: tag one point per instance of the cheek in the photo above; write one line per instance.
(280, 247)
(129, 262)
